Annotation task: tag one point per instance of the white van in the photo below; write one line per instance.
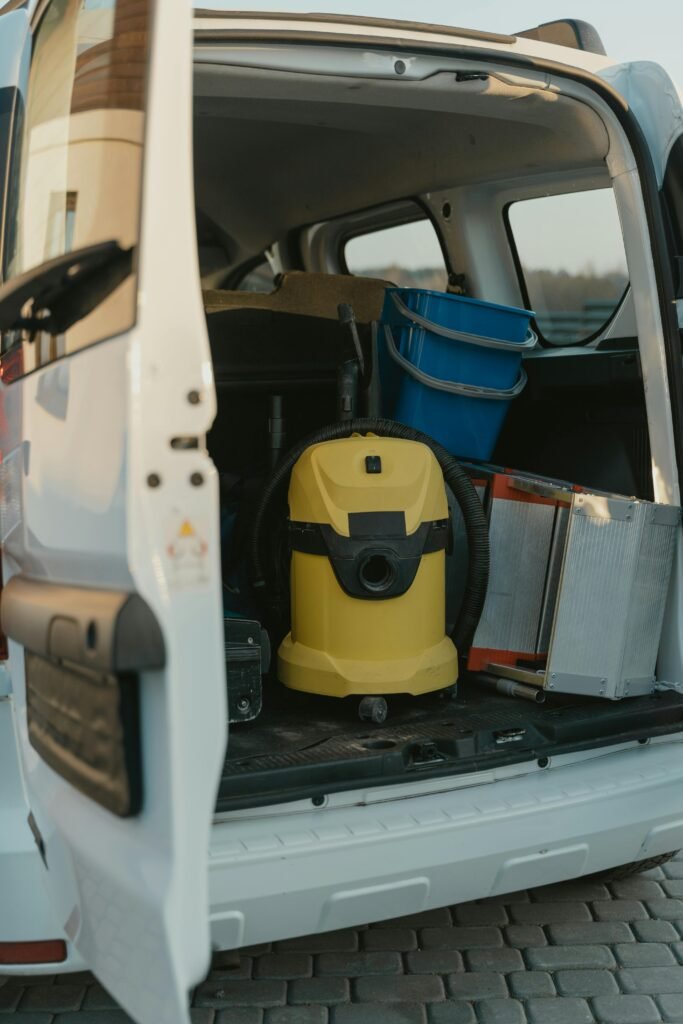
(160, 175)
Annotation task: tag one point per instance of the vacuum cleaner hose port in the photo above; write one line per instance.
(376, 572)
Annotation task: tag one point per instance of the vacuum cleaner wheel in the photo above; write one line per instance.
(373, 709)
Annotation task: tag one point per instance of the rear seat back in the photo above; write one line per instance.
(309, 294)
(287, 342)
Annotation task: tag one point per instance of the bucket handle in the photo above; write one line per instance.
(471, 339)
(452, 387)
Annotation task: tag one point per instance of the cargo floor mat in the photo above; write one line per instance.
(305, 747)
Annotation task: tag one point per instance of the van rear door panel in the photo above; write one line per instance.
(111, 557)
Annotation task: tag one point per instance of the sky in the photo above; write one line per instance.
(629, 30)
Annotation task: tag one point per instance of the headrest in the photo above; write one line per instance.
(311, 294)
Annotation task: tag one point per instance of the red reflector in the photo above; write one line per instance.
(52, 951)
(12, 364)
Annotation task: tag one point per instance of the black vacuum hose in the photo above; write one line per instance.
(454, 475)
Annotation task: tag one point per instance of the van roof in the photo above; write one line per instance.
(569, 41)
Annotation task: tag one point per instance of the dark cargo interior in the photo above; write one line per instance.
(303, 746)
(581, 418)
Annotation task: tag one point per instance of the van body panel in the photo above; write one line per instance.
(656, 102)
(94, 499)
(144, 891)
(381, 856)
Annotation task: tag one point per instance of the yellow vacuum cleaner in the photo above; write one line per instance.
(368, 528)
(368, 524)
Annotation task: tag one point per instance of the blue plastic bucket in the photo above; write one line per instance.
(450, 366)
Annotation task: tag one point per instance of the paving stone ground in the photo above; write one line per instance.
(584, 952)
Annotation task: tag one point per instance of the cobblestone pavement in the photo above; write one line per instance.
(578, 953)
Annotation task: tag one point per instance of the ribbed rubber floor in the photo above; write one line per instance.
(301, 744)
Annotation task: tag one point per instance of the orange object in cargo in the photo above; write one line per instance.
(527, 533)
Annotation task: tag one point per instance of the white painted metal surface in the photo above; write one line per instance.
(446, 841)
(134, 896)
(655, 101)
(379, 856)
(26, 910)
(131, 894)
(400, 31)
(14, 48)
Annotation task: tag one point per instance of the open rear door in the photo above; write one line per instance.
(112, 597)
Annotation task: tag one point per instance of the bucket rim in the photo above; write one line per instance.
(515, 310)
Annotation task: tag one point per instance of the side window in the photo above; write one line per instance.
(408, 255)
(76, 173)
(572, 261)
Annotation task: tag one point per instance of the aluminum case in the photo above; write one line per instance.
(578, 586)
(611, 595)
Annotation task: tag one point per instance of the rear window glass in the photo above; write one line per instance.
(571, 256)
(77, 165)
(408, 255)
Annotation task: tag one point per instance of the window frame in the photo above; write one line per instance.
(521, 280)
(14, 120)
(672, 206)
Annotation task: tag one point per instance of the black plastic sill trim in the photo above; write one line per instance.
(387, 767)
(653, 209)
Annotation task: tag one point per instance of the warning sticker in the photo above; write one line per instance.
(187, 552)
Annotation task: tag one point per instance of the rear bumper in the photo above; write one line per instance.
(302, 870)
(305, 869)
(27, 914)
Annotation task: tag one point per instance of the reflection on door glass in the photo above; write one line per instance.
(78, 172)
(571, 253)
(61, 224)
(408, 255)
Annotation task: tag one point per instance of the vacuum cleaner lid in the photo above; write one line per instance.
(336, 481)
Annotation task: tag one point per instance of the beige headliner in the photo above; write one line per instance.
(277, 150)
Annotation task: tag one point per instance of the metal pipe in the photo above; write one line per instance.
(510, 688)
(520, 675)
